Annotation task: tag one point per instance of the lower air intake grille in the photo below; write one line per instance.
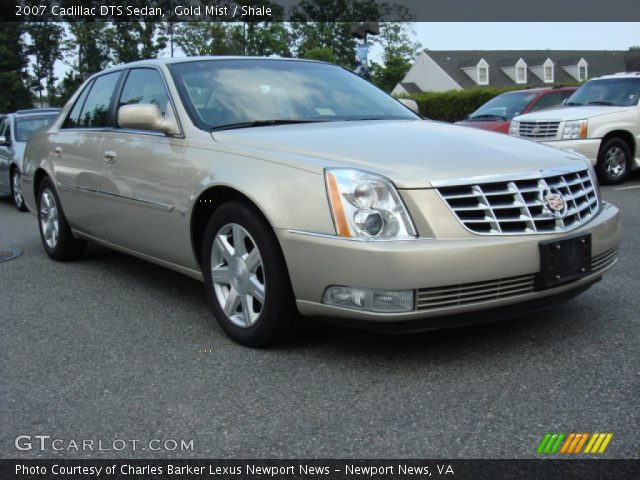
(604, 260)
(469, 293)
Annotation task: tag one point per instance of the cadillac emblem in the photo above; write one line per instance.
(555, 203)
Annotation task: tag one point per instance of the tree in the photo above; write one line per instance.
(634, 48)
(326, 24)
(399, 52)
(322, 54)
(131, 41)
(87, 53)
(13, 68)
(209, 38)
(46, 49)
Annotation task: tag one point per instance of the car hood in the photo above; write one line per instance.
(412, 153)
(570, 113)
(491, 125)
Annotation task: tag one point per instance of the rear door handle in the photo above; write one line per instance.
(110, 156)
(57, 152)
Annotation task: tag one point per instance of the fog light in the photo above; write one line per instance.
(385, 301)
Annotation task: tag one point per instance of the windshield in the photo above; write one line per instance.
(619, 92)
(503, 107)
(27, 125)
(241, 93)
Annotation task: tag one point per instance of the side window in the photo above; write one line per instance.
(145, 85)
(73, 119)
(549, 100)
(96, 108)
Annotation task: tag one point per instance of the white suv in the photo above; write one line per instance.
(601, 120)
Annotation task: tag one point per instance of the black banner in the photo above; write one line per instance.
(318, 10)
(314, 469)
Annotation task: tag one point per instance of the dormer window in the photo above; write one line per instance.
(521, 71)
(582, 70)
(548, 71)
(483, 72)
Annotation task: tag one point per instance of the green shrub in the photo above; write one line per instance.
(454, 105)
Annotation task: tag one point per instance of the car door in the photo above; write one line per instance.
(5, 156)
(75, 149)
(141, 175)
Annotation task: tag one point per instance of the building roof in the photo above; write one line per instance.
(600, 62)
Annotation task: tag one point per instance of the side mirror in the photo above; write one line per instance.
(410, 104)
(564, 101)
(3, 141)
(147, 116)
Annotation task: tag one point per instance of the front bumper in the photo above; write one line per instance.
(318, 261)
(589, 147)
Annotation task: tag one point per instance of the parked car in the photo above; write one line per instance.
(601, 121)
(496, 114)
(295, 186)
(15, 130)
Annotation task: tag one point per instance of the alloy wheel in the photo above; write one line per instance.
(238, 275)
(17, 188)
(49, 218)
(615, 161)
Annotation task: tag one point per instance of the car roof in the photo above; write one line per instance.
(559, 88)
(36, 111)
(619, 75)
(175, 60)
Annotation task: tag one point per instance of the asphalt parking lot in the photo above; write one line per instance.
(111, 347)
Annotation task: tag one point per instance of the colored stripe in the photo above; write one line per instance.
(591, 442)
(567, 443)
(543, 443)
(595, 447)
(551, 442)
(574, 443)
(605, 443)
(582, 440)
(555, 447)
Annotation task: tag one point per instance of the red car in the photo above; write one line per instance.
(496, 114)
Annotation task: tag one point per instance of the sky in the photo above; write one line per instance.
(513, 36)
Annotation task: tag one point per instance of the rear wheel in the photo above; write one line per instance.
(246, 276)
(55, 233)
(16, 190)
(614, 161)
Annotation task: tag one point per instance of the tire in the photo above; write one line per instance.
(16, 190)
(55, 233)
(614, 161)
(246, 273)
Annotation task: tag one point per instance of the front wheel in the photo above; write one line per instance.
(614, 162)
(16, 190)
(55, 233)
(246, 277)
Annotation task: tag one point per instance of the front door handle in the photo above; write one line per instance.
(57, 152)
(110, 156)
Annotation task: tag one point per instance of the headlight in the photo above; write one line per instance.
(514, 127)
(575, 130)
(367, 206)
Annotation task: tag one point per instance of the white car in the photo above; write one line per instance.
(601, 120)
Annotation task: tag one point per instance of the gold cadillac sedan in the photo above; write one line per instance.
(293, 186)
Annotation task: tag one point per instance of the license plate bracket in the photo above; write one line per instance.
(563, 261)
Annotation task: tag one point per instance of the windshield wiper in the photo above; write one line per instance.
(574, 104)
(263, 123)
(487, 115)
(599, 102)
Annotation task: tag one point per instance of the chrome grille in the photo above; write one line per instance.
(469, 293)
(519, 206)
(604, 260)
(538, 129)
